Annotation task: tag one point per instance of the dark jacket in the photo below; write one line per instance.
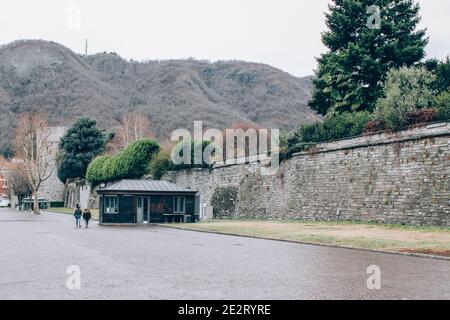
(77, 214)
(87, 215)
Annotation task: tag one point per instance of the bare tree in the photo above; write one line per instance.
(133, 126)
(35, 146)
(19, 183)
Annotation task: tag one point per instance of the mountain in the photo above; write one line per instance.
(43, 76)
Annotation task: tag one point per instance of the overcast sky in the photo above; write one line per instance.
(281, 33)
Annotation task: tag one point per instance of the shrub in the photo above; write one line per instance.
(134, 161)
(421, 116)
(110, 170)
(224, 201)
(179, 148)
(160, 165)
(334, 126)
(131, 163)
(95, 170)
(374, 126)
(344, 125)
(442, 104)
(405, 91)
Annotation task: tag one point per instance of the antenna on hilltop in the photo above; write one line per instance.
(86, 48)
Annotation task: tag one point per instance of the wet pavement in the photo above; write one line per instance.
(161, 263)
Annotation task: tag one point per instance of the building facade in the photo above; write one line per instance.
(4, 190)
(6, 166)
(146, 201)
(52, 190)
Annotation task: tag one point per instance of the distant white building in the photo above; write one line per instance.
(53, 189)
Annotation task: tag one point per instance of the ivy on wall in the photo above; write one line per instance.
(224, 202)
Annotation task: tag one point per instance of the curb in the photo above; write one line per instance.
(134, 225)
(66, 213)
(408, 254)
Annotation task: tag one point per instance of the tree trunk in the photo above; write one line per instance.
(36, 203)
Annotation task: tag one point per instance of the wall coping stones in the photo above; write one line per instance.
(429, 131)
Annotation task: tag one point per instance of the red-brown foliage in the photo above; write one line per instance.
(374, 126)
(421, 116)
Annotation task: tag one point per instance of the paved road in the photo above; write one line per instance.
(161, 263)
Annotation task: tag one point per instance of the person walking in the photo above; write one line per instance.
(87, 216)
(77, 214)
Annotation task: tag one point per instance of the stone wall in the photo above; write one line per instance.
(79, 192)
(390, 178)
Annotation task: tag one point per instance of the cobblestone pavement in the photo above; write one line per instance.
(162, 263)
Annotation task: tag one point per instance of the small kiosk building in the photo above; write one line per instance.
(146, 201)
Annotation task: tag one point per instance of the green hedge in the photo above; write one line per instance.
(95, 173)
(131, 163)
(162, 163)
(333, 127)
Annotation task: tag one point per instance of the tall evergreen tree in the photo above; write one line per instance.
(362, 50)
(442, 71)
(82, 143)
